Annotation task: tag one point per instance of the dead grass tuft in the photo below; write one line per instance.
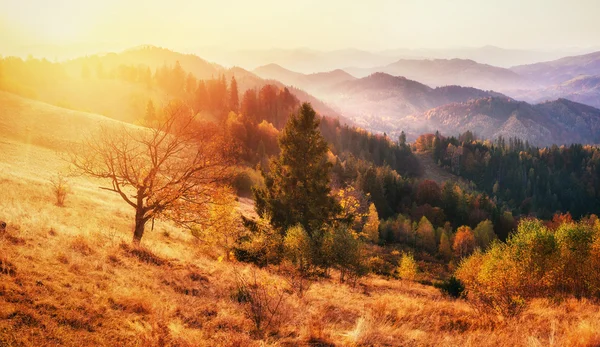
(24, 319)
(132, 305)
(63, 258)
(585, 334)
(143, 254)
(6, 268)
(81, 246)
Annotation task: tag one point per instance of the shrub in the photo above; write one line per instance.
(260, 244)
(262, 301)
(534, 262)
(451, 287)
(60, 188)
(244, 180)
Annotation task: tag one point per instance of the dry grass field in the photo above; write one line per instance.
(70, 277)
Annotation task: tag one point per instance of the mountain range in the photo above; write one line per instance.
(561, 70)
(554, 122)
(450, 95)
(308, 61)
(441, 72)
(384, 100)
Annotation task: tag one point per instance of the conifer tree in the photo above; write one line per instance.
(150, 113)
(234, 99)
(297, 188)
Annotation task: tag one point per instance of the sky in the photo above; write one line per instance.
(318, 24)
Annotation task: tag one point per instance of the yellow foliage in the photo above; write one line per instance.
(408, 267)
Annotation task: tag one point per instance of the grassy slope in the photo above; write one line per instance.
(68, 276)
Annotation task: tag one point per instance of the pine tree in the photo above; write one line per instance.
(402, 139)
(234, 99)
(297, 187)
(150, 113)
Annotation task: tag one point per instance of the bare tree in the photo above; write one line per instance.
(170, 170)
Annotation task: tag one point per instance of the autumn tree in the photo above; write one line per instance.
(445, 249)
(426, 235)
(370, 230)
(464, 242)
(429, 193)
(171, 170)
(224, 225)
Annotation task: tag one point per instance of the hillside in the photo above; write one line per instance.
(69, 277)
(582, 89)
(554, 122)
(441, 72)
(315, 83)
(119, 85)
(561, 70)
(381, 101)
(27, 121)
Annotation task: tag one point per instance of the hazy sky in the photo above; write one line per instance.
(319, 24)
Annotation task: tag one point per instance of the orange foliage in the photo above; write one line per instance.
(464, 242)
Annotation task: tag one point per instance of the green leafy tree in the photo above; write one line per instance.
(445, 249)
(298, 247)
(426, 235)
(484, 234)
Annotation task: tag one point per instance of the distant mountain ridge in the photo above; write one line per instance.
(462, 72)
(314, 83)
(561, 70)
(382, 101)
(582, 89)
(306, 60)
(553, 122)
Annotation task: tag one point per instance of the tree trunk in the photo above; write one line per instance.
(140, 223)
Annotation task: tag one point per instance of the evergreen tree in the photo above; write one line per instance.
(297, 188)
(150, 113)
(402, 139)
(234, 99)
